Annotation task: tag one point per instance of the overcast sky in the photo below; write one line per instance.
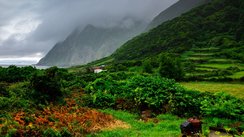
(30, 28)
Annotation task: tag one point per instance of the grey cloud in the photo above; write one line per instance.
(61, 17)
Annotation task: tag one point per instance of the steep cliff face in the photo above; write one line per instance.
(175, 10)
(91, 43)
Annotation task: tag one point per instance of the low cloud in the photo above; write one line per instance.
(29, 28)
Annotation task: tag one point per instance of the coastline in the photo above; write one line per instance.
(25, 65)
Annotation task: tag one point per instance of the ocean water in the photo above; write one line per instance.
(22, 65)
(7, 63)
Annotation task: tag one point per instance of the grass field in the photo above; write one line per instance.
(222, 60)
(235, 89)
(238, 75)
(210, 49)
(168, 126)
(222, 66)
(202, 54)
(198, 58)
(204, 69)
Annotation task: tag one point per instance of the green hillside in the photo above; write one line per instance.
(208, 40)
(218, 24)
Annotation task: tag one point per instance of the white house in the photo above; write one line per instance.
(98, 70)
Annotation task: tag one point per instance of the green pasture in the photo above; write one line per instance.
(235, 89)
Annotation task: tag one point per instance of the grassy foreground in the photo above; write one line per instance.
(166, 126)
(235, 89)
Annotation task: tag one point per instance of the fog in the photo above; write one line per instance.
(30, 28)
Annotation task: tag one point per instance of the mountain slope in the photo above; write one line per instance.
(91, 43)
(219, 23)
(175, 10)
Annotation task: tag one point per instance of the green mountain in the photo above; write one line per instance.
(175, 10)
(219, 24)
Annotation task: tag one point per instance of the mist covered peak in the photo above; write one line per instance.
(92, 42)
(89, 27)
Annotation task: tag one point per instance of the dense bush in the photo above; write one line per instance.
(187, 103)
(242, 79)
(50, 132)
(47, 86)
(170, 67)
(16, 74)
(147, 67)
(18, 96)
(151, 92)
(223, 106)
(3, 89)
(160, 95)
(145, 92)
(99, 99)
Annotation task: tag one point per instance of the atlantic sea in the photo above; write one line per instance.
(18, 65)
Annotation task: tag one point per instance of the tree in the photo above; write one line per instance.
(147, 67)
(3, 89)
(47, 86)
(239, 34)
(170, 67)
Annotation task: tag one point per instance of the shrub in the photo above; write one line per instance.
(223, 105)
(151, 92)
(131, 63)
(147, 67)
(47, 86)
(18, 96)
(160, 95)
(4, 103)
(3, 90)
(121, 67)
(186, 103)
(102, 100)
(242, 79)
(65, 133)
(16, 74)
(170, 67)
(145, 92)
(51, 133)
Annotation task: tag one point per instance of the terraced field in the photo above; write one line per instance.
(207, 65)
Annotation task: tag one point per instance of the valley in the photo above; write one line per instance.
(142, 84)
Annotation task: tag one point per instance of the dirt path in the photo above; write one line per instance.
(218, 134)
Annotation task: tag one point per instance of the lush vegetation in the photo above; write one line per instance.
(208, 41)
(54, 102)
(219, 23)
(141, 77)
(16, 74)
(163, 125)
(159, 95)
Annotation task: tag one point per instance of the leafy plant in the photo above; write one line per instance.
(223, 105)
